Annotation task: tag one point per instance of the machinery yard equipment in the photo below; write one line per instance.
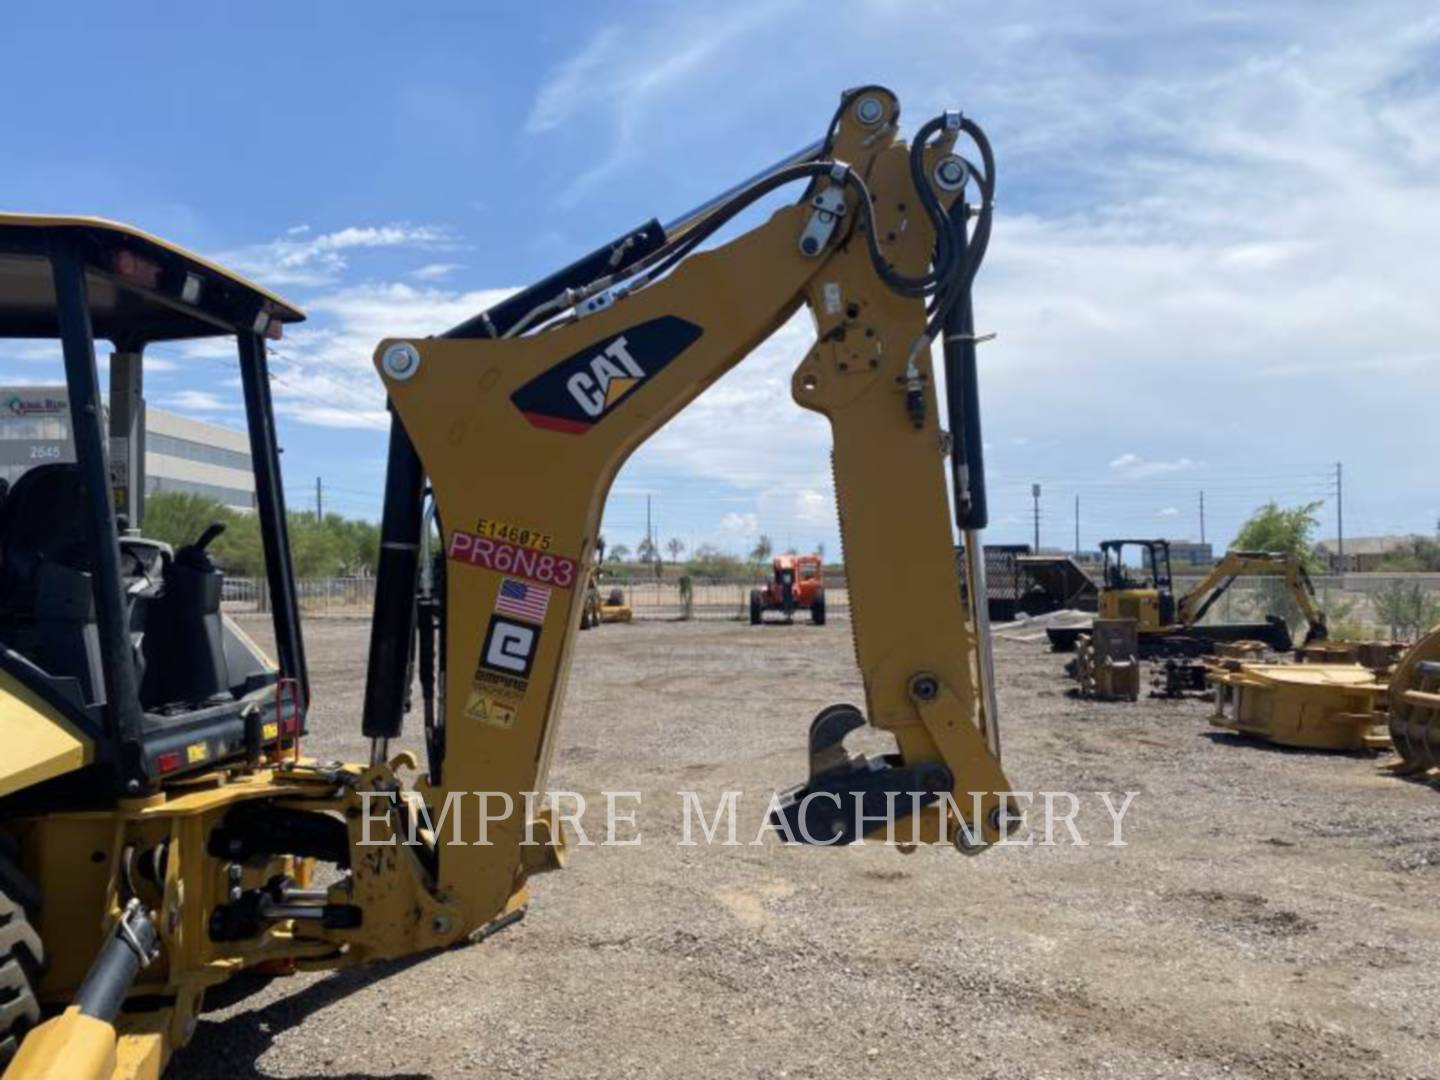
(1379, 656)
(1055, 583)
(1414, 715)
(1315, 706)
(1107, 661)
(134, 714)
(609, 607)
(797, 583)
(1173, 628)
(1329, 705)
(158, 829)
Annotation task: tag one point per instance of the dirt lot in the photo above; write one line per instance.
(1274, 913)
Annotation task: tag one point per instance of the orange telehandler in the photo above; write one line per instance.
(797, 583)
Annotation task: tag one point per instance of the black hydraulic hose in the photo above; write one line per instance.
(726, 212)
(977, 244)
(846, 100)
(659, 262)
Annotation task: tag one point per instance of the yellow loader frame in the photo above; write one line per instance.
(520, 437)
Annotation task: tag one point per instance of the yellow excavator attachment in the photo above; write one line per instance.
(1316, 706)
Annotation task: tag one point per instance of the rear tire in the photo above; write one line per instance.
(21, 957)
(756, 607)
(817, 609)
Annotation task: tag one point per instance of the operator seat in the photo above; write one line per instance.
(47, 607)
(184, 643)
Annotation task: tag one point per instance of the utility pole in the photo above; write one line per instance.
(1202, 515)
(649, 536)
(1035, 494)
(319, 501)
(1077, 529)
(1340, 516)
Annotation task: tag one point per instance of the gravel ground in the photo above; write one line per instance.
(1273, 914)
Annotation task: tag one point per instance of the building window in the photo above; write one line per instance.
(225, 495)
(34, 428)
(189, 450)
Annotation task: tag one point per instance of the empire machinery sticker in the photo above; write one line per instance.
(503, 673)
(581, 390)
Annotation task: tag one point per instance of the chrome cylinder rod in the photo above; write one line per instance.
(980, 620)
(682, 224)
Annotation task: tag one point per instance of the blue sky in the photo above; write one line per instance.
(1214, 264)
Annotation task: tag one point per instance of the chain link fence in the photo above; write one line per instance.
(1358, 607)
(710, 599)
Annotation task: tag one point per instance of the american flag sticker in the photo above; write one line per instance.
(523, 600)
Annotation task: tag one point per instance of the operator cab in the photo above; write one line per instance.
(1153, 568)
(118, 633)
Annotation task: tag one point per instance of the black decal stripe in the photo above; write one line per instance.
(546, 400)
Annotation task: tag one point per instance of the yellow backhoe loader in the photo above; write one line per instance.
(157, 830)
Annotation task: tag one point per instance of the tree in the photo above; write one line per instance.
(618, 553)
(675, 547)
(761, 552)
(334, 547)
(646, 551)
(1414, 553)
(708, 561)
(1276, 528)
(1407, 609)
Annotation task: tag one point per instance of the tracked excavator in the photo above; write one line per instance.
(1173, 628)
(160, 829)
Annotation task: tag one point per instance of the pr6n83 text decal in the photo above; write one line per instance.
(584, 388)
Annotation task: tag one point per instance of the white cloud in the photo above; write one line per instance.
(324, 374)
(200, 401)
(1134, 467)
(604, 79)
(814, 507)
(299, 258)
(1167, 512)
(742, 528)
(435, 271)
